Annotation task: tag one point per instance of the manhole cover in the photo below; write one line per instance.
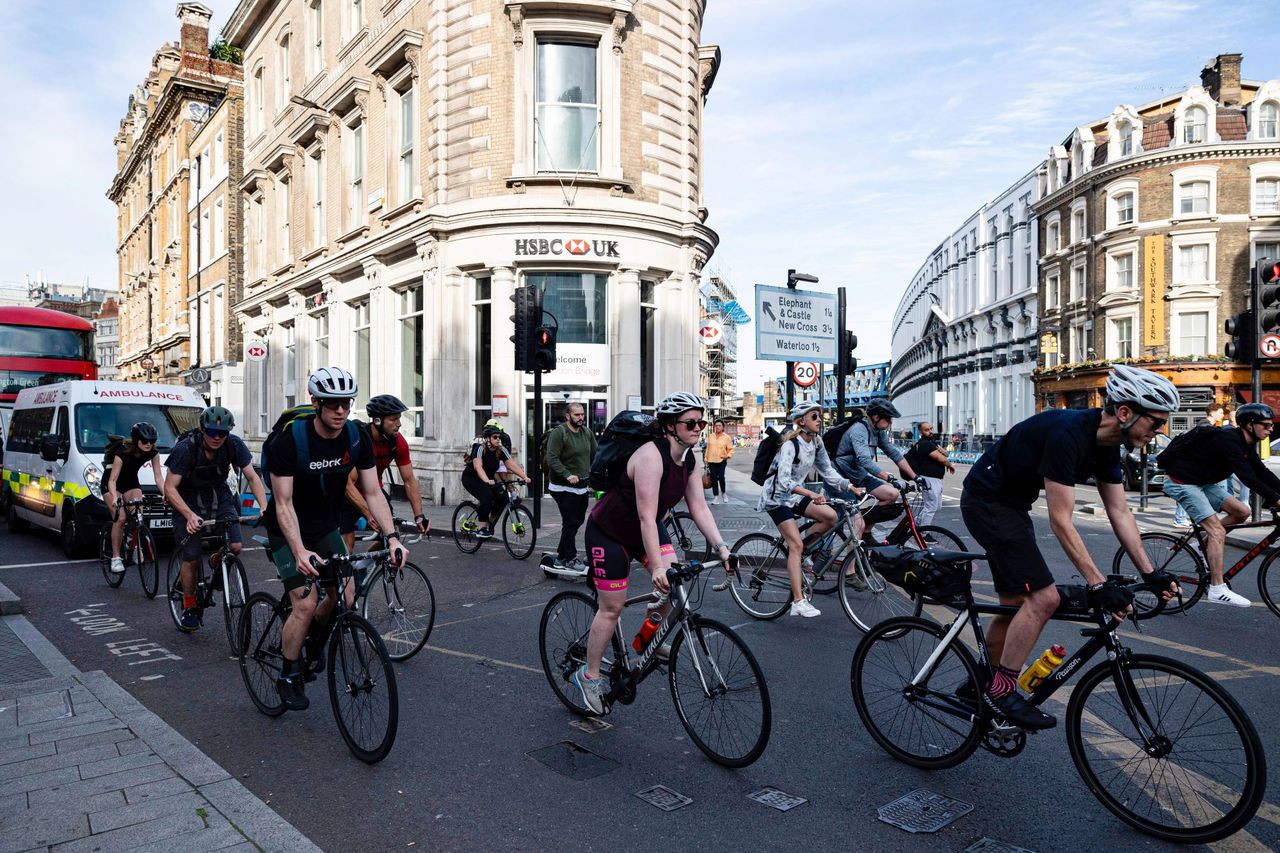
(590, 725)
(780, 800)
(922, 811)
(664, 798)
(569, 759)
(990, 845)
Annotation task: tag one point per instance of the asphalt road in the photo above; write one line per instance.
(475, 704)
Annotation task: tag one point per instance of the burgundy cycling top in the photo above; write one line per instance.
(615, 513)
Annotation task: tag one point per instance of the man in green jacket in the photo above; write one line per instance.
(570, 449)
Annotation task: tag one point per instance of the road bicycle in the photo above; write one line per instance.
(362, 682)
(226, 575)
(1183, 556)
(518, 533)
(1162, 745)
(137, 547)
(691, 546)
(718, 689)
(399, 603)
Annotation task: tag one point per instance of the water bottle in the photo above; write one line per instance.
(1043, 667)
(647, 630)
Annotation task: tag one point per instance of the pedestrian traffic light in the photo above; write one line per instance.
(848, 343)
(544, 348)
(528, 300)
(1241, 347)
(1266, 277)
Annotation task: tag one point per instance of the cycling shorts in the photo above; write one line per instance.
(783, 513)
(328, 545)
(228, 510)
(610, 561)
(1008, 537)
(349, 517)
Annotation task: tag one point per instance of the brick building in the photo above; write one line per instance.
(1150, 220)
(408, 164)
(152, 190)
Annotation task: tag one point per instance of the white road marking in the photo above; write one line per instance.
(50, 563)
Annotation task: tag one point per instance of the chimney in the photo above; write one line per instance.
(1221, 79)
(195, 19)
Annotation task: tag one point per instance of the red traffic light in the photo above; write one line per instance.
(544, 337)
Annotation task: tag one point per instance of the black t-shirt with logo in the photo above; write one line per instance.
(202, 475)
(317, 492)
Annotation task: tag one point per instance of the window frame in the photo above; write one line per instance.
(315, 38)
(482, 361)
(1113, 338)
(1258, 173)
(1187, 177)
(405, 312)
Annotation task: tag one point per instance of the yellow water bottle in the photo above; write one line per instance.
(1042, 668)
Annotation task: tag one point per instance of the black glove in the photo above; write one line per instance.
(1111, 597)
(1160, 580)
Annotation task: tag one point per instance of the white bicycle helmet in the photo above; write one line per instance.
(332, 383)
(801, 409)
(678, 403)
(1141, 389)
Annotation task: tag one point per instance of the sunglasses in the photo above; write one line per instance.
(693, 423)
(1267, 424)
(1157, 424)
(217, 433)
(336, 405)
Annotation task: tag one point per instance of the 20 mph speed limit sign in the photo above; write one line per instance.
(805, 373)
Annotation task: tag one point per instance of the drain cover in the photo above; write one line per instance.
(664, 798)
(590, 725)
(990, 845)
(569, 759)
(780, 800)
(922, 811)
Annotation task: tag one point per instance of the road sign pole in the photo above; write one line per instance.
(791, 383)
(842, 306)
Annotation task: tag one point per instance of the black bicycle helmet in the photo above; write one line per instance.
(491, 430)
(1251, 412)
(383, 405)
(143, 431)
(217, 417)
(882, 409)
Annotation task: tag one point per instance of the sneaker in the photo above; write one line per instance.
(484, 533)
(806, 563)
(190, 620)
(578, 565)
(1183, 524)
(592, 689)
(805, 609)
(854, 581)
(292, 694)
(117, 566)
(1225, 595)
(1014, 709)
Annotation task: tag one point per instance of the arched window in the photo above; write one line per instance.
(1195, 124)
(1269, 121)
(1126, 139)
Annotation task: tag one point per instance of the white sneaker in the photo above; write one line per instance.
(1224, 595)
(117, 566)
(805, 609)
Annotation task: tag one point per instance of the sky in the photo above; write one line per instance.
(843, 138)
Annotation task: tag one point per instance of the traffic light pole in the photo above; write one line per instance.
(842, 300)
(534, 461)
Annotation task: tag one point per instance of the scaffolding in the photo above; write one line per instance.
(718, 362)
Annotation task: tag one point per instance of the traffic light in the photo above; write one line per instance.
(1266, 277)
(528, 300)
(544, 348)
(848, 343)
(1241, 347)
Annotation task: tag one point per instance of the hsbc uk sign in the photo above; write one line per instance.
(537, 246)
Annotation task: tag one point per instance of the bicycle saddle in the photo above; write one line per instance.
(940, 556)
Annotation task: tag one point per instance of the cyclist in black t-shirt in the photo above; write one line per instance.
(302, 518)
(1053, 451)
(127, 458)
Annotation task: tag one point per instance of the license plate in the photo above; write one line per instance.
(160, 522)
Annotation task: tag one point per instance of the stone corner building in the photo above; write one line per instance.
(409, 164)
(1150, 220)
(178, 268)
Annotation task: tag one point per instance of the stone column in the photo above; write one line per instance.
(624, 338)
(504, 378)
(383, 330)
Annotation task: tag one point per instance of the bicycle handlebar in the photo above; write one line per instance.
(681, 572)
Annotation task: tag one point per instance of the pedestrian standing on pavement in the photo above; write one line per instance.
(1214, 415)
(717, 455)
(570, 449)
(930, 463)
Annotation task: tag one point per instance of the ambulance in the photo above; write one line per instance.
(53, 452)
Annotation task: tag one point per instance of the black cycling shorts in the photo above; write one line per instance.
(1008, 537)
(349, 517)
(779, 514)
(610, 561)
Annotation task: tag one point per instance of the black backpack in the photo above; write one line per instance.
(831, 438)
(766, 453)
(114, 443)
(1185, 443)
(625, 434)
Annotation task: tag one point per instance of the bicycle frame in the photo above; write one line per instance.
(1263, 544)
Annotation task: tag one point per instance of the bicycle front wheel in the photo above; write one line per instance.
(761, 586)
(562, 642)
(401, 605)
(148, 563)
(173, 583)
(719, 692)
(362, 689)
(262, 657)
(1270, 594)
(114, 579)
(928, 725)
(1173, 555)
(1192, 771)
(518, 532)
(688, 540)
(934, 536)
(465, 525)
(236, 591)
(867, 598)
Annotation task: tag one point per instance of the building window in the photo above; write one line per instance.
(648, 322)
(1266, 196)
(1121, 338)
(578, 302)
(482, 402)
(1266, 250)
(1193, 264)
(258, 258)
(285, 74)
(1268, 121)
(355, 168)
(1077, 226)
(317, 199)
(315, 28)
(1078, 343)
(259, 100)
(284, 214)
(1122, 272)
(360, 325)
(219, 230)
(1194, 123)
(320, 339)
(290, 378)
(219, 321)
(567, 107)
(1077, 284)
(1126, 139)
(1194, 198)
(406, 170)
(353, 18)
(1124, 209)
(1193, 333)
(412, 356)
(206, 239)
(1051, 241)
(1052, 284)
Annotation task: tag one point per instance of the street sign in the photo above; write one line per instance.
(795, 325)
(805, 373)
(255, 351)
(710, 332)
(1269, 346)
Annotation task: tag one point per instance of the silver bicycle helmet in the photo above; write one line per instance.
(1142, 389)
(678, 403)
(332, 383)
(801, 409)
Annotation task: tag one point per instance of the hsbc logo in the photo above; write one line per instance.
(535, 247)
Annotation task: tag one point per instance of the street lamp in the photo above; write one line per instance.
(792, 278)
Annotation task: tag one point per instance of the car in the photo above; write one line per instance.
(1131, 462)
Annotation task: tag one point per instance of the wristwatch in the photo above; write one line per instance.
(724, 545)
(393, 535)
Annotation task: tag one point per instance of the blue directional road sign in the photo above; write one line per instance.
(795, 325)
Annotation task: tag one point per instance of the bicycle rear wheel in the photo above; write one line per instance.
(562, 643)
(868, 599)
(173, 583)
(465, 524)
(927, 725)
(148, 563)
(942, 538)
(1204, 774)
(518, 532)
(233, 598)
(1170, 554)
(761, 585)
(362, 689)
(1270, 594)
(688, 540)
(261, 622)
(114, 579)
(401, 605)
(719, 692)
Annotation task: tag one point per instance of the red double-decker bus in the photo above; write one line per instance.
(39, 346)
